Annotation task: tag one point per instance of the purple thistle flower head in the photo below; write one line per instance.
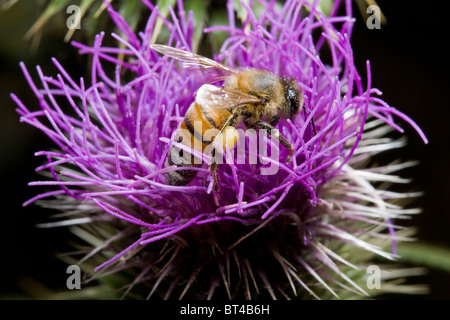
(301, 231)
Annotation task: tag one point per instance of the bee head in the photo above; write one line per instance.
(293, 97)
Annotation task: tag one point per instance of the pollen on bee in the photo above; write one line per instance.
(275, 133)
(228, 137)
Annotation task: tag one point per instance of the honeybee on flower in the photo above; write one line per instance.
(306, 231)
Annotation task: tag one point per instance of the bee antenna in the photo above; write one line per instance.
(312, 121)
(314, 126)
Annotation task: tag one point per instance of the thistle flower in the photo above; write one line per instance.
(309, 230)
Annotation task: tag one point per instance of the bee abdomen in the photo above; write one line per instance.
(192, 135)
(187, 135)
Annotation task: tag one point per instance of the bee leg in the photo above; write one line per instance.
(275, 133)
(274, 121)
(214, 174)
(213, 168)
(231, 121)
(287, 145)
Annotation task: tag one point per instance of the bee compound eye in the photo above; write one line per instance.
(293, 101)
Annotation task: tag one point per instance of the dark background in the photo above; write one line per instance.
(409, 59)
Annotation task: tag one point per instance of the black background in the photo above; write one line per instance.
(409, 59)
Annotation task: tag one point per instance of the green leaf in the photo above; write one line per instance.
(52, 8)
(241, 12)
(218, 18)
(163, 7)
(199, 9)
(422, 254)
(131, 11)
(324, 6)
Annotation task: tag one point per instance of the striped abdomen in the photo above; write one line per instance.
(191, 132)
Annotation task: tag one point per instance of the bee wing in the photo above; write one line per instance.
(220, 98)
(189, 59)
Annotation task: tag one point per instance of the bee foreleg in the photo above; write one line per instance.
(231, 122)
(276, 134)
(274, 121)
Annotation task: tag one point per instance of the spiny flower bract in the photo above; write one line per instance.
(307, 231)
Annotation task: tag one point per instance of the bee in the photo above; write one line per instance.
(256, 97)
